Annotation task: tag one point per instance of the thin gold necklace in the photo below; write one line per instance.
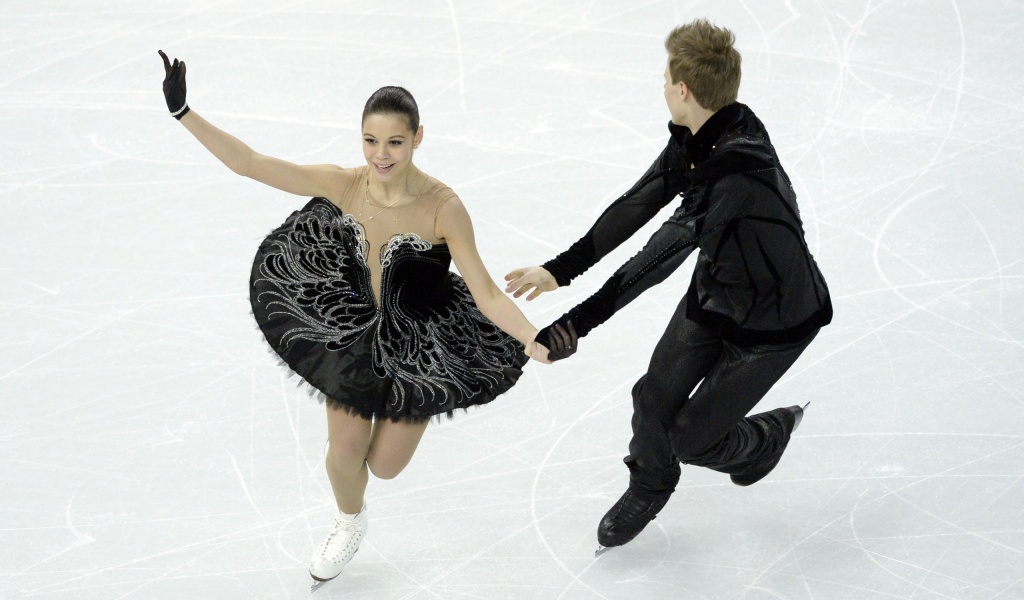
(366, 194)
(366, 200)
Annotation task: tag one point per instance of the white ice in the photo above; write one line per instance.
(151, 449)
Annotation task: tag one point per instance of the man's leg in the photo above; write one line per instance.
(711, 430)
(681, 359)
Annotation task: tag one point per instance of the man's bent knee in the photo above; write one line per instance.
(686, 439)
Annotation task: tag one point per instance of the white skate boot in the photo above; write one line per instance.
(338, 547)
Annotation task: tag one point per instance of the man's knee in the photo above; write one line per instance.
(686, 438)
(651, 396)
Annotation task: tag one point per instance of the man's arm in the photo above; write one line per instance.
(660, 257)
(695, 220)
(631, 211)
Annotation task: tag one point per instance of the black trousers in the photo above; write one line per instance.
(673, 423)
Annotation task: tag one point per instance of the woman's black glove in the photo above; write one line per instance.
(174, 86)
(560, 341)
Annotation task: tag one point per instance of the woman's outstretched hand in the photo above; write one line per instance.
(537, 279)
(174, 86)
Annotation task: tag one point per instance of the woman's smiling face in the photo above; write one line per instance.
(388, 144)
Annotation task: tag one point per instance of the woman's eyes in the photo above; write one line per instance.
(372, 141)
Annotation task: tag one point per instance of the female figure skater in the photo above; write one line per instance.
(354, 294)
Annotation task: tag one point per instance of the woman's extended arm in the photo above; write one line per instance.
(456, 228)
(304, 180)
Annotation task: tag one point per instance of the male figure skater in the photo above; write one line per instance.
(755, 301)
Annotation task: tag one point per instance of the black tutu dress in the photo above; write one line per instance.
(426, 350)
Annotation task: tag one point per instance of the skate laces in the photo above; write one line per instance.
(343, 538)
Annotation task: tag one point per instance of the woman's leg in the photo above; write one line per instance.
(392, 446)
(349, 443)
(358, 446)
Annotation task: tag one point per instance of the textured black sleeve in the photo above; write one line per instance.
(694, 220)
(664, 252)
(631, 211)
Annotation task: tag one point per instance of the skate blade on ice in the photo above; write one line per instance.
(600, 550)
(318, 583)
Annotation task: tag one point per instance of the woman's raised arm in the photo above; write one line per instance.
(304, 180)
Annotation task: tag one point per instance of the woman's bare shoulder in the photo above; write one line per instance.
(437, 191)
(344, 185)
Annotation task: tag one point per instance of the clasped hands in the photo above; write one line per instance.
(560, 341)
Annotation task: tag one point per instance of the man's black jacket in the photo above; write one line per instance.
(755, 280)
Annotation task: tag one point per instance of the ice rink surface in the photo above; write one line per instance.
(150, 448)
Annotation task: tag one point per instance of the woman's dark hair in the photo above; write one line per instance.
(393, 100)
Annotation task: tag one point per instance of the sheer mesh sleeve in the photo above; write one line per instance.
(631, 211)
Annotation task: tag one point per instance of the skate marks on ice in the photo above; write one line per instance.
(129, 369)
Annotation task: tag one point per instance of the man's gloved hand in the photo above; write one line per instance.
(560, 341)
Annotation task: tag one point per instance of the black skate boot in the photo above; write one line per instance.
(789, 419)
(628, 517)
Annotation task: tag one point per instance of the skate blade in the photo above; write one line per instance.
(600, 550)
(317, 583)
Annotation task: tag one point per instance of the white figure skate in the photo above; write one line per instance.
(340, 545)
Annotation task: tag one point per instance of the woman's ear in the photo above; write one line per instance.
(418, 137)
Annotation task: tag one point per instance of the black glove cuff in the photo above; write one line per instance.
(181, 112)
(554, 266)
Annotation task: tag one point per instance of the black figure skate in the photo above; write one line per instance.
(790, 418)
(628, 517)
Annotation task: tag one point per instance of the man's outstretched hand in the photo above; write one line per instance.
(561, 342)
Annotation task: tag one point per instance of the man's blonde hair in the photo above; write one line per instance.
(703, 57)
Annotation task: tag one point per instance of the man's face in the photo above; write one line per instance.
(674, 99)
